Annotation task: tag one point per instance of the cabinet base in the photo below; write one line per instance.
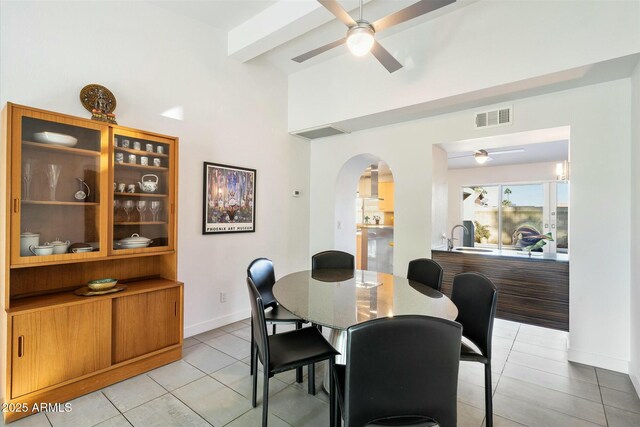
(71, 390)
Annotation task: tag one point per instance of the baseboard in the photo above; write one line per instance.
(599, 360)
(207, 325)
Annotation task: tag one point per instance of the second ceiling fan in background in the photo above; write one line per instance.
(360, 36)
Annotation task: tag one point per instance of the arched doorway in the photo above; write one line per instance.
(350, 218)
(375, 219)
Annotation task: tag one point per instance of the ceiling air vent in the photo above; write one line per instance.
(321, 132)
(499, 117)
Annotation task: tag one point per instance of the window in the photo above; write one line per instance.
(518, 216)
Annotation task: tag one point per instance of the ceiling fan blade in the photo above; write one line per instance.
(334, 7)
(318, 51)
(385, 58)
(413, 11)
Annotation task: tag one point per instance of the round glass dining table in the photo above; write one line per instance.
(338, 299)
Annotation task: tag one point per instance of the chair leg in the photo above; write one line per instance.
(488, 392)
(254, 351)
(332, 394)
(274, 329)
(299, 370)
(252, 363)
(311, 381)
(265, 399)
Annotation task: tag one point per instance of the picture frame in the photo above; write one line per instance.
(229, 195)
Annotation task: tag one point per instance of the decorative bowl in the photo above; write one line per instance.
(102, 284)
(133, 242)
(55, 139)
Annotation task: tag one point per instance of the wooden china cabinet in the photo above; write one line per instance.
(61, 186)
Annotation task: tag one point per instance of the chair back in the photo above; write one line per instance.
(426, 271)
(475, 296)
(259, 324)
(263, 276)
(400, 366)
(333, 259)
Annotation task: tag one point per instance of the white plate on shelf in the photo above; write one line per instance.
(132, 245)
(55, 139)
(81, 250)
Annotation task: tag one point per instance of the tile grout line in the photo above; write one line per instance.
(601, 398)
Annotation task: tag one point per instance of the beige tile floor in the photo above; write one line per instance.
(533, 384)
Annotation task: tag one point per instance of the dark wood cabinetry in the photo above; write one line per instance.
(533, 291)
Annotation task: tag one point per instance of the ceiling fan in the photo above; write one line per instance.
(483, 156)
(360, 38)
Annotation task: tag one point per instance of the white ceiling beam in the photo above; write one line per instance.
(276, 25)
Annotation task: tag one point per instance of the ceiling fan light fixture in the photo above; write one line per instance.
(360, 39)
(481, 156)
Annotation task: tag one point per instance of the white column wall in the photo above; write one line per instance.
(600, 186)
(154, 60)
(634, 364)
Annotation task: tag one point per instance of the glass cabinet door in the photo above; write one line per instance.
(56, 186)
(143, 192)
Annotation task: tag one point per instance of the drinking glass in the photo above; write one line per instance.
(53, 173)
(27, 175)
(128, 207)
(141, 206)
(155, 208)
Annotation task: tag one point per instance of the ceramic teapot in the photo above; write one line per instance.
(150, 185)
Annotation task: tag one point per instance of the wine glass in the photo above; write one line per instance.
(128, 207)
(117, 204)
(53, 173)
(141, 206)
(155, 208)
(27, 175)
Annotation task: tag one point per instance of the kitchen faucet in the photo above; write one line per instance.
(451, 239)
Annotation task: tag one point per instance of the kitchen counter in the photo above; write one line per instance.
(532, 290)
(375, 226)
(535, 256)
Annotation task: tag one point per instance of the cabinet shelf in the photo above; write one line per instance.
(61, 149)
(67, 297)
(136, 166)
(140, 152)
(140, 223)
(57, 203)
(140, 195)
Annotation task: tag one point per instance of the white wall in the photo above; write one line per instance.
(153, 60)
(440, 198)
(512, 174)
(634, 364)
(600, 186)
(483, 45)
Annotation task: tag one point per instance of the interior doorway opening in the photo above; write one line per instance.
(375, 219)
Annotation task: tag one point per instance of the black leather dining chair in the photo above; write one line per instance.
(400, 371)
(333, 259)
(476, 297)
(426, 271)
(285, 351)
(262, 274)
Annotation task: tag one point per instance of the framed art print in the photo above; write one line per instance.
(229, 199)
